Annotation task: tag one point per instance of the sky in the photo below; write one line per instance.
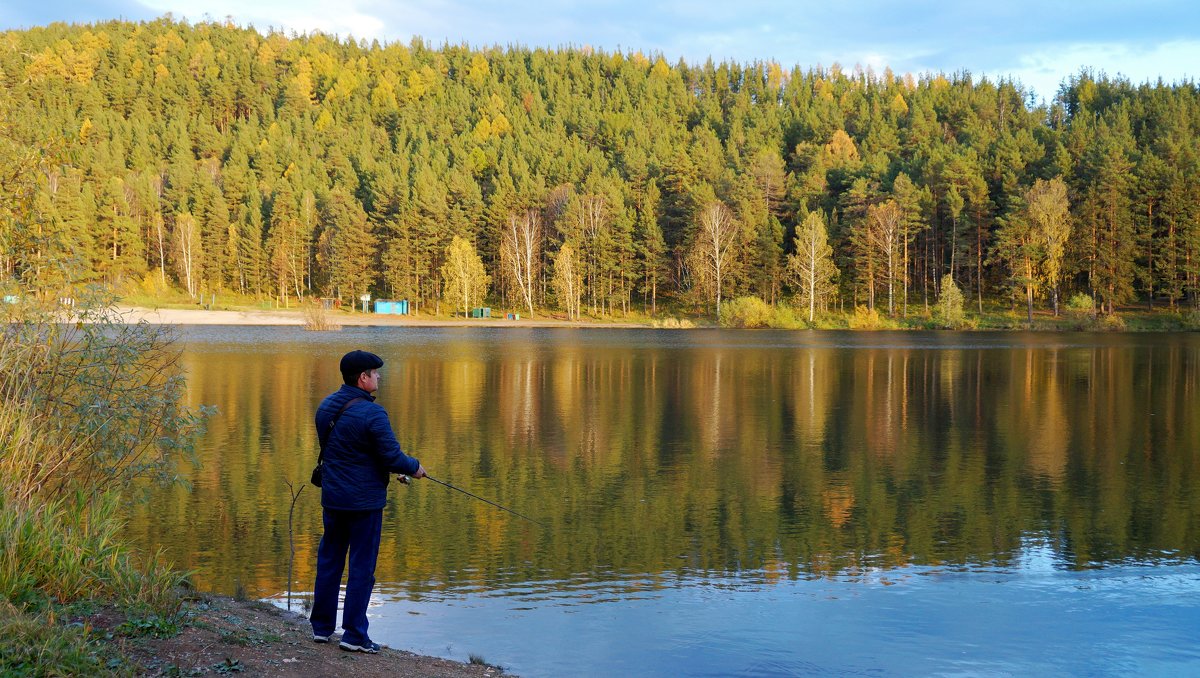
(1036, 42)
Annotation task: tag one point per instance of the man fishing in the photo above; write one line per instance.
(359, 452)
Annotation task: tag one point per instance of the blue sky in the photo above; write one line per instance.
(1038, 42)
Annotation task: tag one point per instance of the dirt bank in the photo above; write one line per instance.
(223, 636)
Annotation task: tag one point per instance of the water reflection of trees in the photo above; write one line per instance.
(794, 461)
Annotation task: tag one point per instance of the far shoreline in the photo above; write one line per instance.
(179, 316)
(1130, 320)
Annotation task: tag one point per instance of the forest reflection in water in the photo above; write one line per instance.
(652, 455)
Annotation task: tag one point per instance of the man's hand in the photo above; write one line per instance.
(420, 473)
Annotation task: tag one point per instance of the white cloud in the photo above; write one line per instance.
(301, 16)
(1047, 68)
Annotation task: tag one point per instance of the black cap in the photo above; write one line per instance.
(355, 363)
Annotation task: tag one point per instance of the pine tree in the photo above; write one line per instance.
(286, 250)
(350, 247)
(652, 246)
(1105, 206)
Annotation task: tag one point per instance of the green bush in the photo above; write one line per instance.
(1082, 314)
(1080, 304)
(1190, 320)
(66, 550)
(746, 312)
(784, 317)
(869, 319)
(673, 323)
(950, 305)
(752, 312)
(88, 405)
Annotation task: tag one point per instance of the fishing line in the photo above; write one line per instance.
(405, 480)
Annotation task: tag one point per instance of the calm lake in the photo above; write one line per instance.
(730, 502)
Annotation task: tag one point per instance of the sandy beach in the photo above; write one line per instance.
(175, 316)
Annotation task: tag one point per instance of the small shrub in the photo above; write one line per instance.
(950, 305)
(114, 411)
(228, 666)
(784, 318)
(869, 319)
(316, 317)
(1008, 320)
(1190, 320)
(1110, 322)
(830, 321)
(151, 625)
(673, 323)
(479, 661)
(746, 312)
(1080, 304)
(919, 321)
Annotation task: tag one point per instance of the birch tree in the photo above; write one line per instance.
(811, 268)
(568, 281)
(1016, 245)
(885, 224)
(712, 253)
(1032, 240)
(465, 280)
(188, 251)
(1050, 218)
(521, 256)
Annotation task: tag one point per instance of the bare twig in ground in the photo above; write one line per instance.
(291, 536)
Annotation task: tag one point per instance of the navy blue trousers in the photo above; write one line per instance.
(356, 533)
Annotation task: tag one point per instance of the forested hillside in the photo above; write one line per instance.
(216, 160)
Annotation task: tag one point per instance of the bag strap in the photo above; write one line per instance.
(329, 429)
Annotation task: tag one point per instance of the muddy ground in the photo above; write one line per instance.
(223, 636)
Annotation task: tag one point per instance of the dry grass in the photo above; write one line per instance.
(316, 317)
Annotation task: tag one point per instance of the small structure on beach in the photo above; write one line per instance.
(391, 307)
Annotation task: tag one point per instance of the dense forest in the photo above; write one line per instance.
(213, 159)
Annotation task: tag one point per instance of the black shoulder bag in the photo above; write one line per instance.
(316, 473)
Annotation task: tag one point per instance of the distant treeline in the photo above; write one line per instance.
(214, 159)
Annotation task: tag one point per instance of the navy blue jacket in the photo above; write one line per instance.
(360, 452)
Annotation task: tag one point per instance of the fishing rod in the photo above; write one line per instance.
(405, 480)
